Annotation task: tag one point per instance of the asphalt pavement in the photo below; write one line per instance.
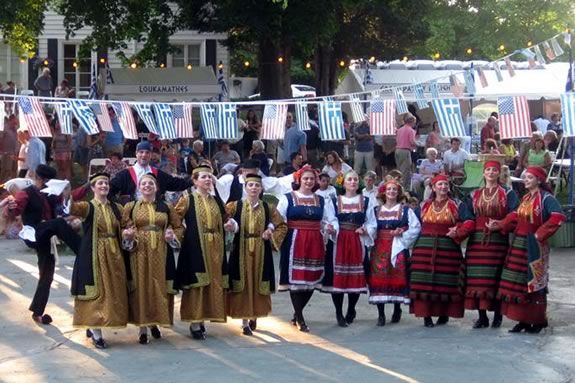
(278, 352)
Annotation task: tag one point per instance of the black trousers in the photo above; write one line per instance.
(46, 262)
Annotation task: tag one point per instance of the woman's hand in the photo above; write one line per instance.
(267, 234)
(361, 230)
(452, 232)
(229, 226)
(129, 233)
(397, 232)
(493, 225)
(330, 229)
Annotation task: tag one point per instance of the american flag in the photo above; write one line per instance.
(514, 120)
(183, 120)
(32, 116)
(209, 128)
(227, 121)
(301, 116)
(165, 120)
(126, 120)
(274, 121)
(456, 86)
(568, 112)
(101, 112)
(448, 114)
(509, 67)
(331, 121)
(382, 117)
(530, 56)
(84, 115)
(357, 114)
(400, 102)
(147, 115)
(65, 118)
(420, 96)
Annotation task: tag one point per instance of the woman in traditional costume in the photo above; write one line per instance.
(346, 256)
(523, 286)
(437, 262)
(151, 230)
(486, 250)
(302, 258)
(258, 229)
(202, 266)
(397, 229)
(99, 279)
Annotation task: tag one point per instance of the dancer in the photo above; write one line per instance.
(258, 229)
(99, 279)
(202, 270)
(523, 286)
(397, 229)
(346, 256)
(302, 258)
(152, 229)
(436, 260)
(486, 250)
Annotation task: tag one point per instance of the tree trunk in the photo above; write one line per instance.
(323, 57)
(274, 77)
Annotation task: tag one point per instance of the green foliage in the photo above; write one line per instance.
(21, 21)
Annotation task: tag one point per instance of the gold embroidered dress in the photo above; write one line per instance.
(151, 296)
(104, 299)
(202, 264)
(251, 266)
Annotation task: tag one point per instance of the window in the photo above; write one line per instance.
(78, 77)
(186, 54)
(10, 66)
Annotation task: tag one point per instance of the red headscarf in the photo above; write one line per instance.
(306, 168)
(439, 177)
(383, 187)
(541, 175)
(492, 164)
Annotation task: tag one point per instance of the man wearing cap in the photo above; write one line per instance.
(126, 181)
(40, 225)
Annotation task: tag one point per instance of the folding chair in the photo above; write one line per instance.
(473, 178)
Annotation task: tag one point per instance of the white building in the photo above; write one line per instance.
(197, 49)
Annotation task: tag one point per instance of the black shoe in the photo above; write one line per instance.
(42, 319)
(303, 327)
(341, 321)
(203, 328)
(197, 334)
(481, 323)
(253, 324)
(428, 322)
(519, 327)
(442, 320)
(350, 316)
(247, 331)
(396, 317)
(143, 339)
(156, 334)
(88, 333)
(294, 320)
(497, 319)
(381, 321)
(100, 343)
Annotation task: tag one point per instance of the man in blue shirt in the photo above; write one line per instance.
(36, 154)
(363, 148)
(294, 140)
(114, 141)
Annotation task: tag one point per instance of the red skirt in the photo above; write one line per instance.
(532, 311)
(306, 258)
(347, 268)
(387, 283)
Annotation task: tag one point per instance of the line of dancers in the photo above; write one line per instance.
(126, 270)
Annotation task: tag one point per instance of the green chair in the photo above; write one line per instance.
(473, 178)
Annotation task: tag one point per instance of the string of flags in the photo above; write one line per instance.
(220, 120)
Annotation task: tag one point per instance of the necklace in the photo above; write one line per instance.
(485, 195)
(441, 208)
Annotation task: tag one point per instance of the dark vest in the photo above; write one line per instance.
(32, 214)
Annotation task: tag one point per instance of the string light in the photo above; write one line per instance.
(133, 65)
(189, 66)
(162, 65)
(405, 58)
(280, 59)
(502, 47)
(22, 60)
(75, 64)
(372, 59)
(308, 65)
(436, 55)
(342, 63)
(529, 43)
(221, 65)
(45, 62)
(246, 64)
(469, 51)
(102, 60)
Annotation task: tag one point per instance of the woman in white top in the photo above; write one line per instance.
(334, 165)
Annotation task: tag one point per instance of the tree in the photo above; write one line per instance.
(21, 21)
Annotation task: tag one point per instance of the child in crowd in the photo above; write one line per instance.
(325, 190)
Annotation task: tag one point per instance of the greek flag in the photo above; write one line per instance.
(94, 76)
(208, 114)
(165, 119)
(448, 114)
(401, 104)
(331, 121)
(301, 116)
(147, 115)
(434, 90)
(497, 71)
(539, 55)
(84, 115)
(568, 112)
(357, 114)
(227, 121)
(222, 83)
(469, 82)
(420, 97)
(64, 113)
(109, 77)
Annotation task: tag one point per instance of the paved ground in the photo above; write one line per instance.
(404, 352)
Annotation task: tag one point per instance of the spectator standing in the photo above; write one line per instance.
(9, 104)
(63, 90)
(363, 155)
(44, 84)
(488, 131)
(9, 150)
(406, 144)
(81, 149)
(313, 145)
(251, 132)
(294, 140)
(541, 123)
(114, 141)
(62, 150)
(22, 165)
(36, 154)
